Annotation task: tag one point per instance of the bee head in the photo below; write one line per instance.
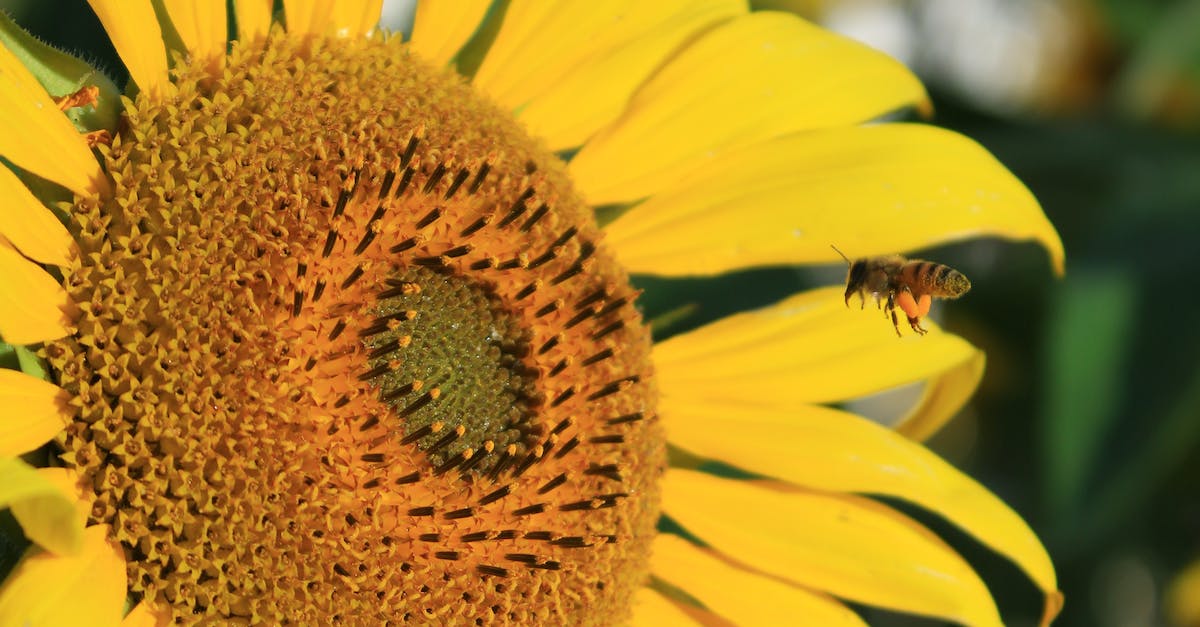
(856, 277)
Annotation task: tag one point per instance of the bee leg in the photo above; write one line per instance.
(890, 309)
(923, 304)
(912, 309)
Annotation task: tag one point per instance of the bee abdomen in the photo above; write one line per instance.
(955, 284)
(950, 282)
(939, 279)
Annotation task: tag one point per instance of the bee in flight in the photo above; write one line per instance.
(909, 284)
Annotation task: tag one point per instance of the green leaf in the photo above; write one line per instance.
(1089, 338)
(62, 74)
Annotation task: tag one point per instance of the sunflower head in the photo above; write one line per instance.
(344, 322)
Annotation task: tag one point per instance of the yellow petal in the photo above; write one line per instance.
(307, 17)
(850, 547)
(202, 25)
(134, 31)
(538, 39)
(584, 95)
(355, 18)
(741, 596)
(825, 449)
(868, 190)
(32, 304)
(806, 349)
(47, 514)
(29, 225)
(35, 135)
(144, 614)
(253, 18)
(441, 27)
(67, 482)
(540, 46)
(651, 609)
(84, 589)
(31, 412)
(941, 399)
(760, 76)
(1182, 601)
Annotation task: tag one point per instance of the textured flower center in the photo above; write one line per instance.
(348, 350)
(448, 359)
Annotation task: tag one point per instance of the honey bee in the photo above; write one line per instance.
(910, 284)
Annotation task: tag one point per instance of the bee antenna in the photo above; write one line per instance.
(835, 249)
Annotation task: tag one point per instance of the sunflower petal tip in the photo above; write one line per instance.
(925, 108)
(1052, 243)
(1054, 605)
(1059, 259)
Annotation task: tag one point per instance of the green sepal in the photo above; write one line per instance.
(471, 55)
(8, 357)
(62, 74)
(31, 364)
(51, 194)
(20, 358)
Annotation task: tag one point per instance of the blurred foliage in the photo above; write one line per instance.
(1100, 375)
(1161, 74)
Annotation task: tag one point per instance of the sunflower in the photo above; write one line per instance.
(331, 332)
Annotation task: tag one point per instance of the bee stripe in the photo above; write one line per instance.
(918, 273)
(944, 273)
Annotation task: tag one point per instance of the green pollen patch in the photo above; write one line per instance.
(448, 360)
(349, 349)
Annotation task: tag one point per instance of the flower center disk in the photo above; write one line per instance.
(442, 329)
(349, 349)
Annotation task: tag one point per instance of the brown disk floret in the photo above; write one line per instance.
(349, 350)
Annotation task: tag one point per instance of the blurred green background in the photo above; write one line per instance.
(1088, 419)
